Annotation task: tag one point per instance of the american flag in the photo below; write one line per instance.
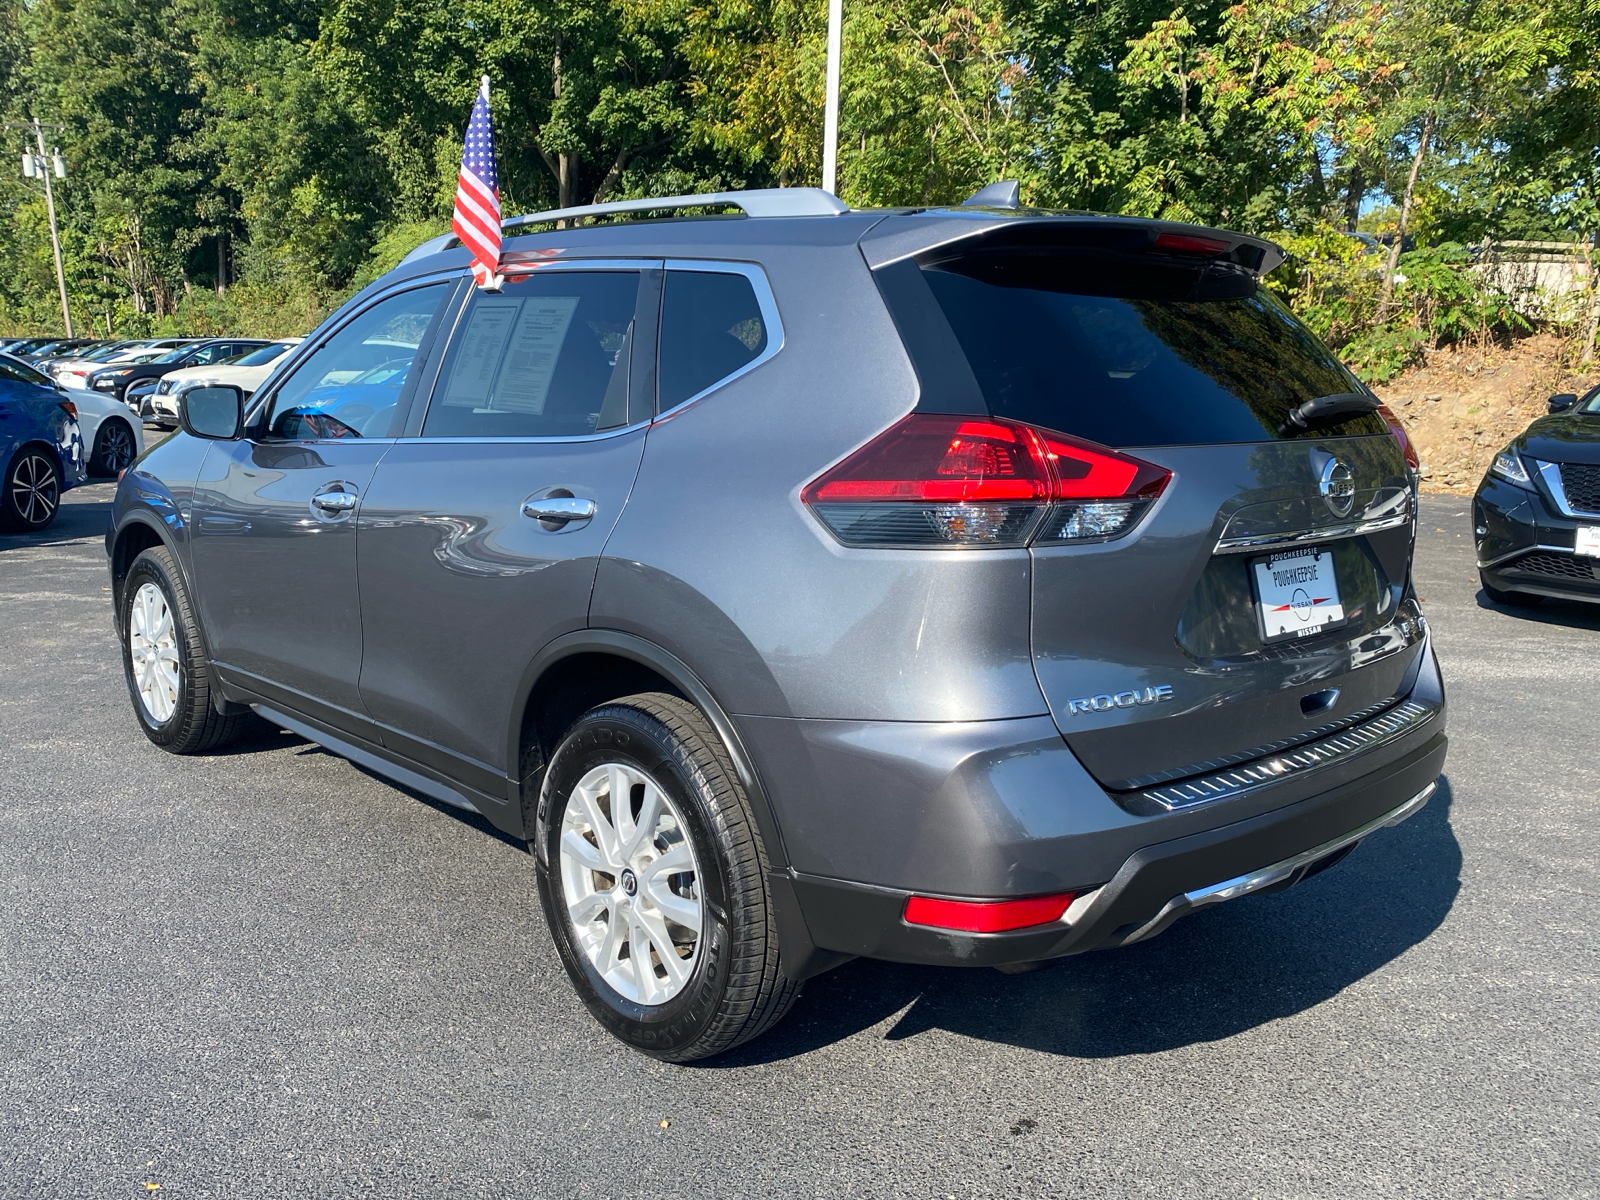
(477, 215)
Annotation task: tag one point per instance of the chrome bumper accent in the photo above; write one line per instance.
(1244, 545)
(1403, 718)
(1279, 872)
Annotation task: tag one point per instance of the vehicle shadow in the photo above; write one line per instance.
(1573, 614)
(1211, 976)
(84, 518)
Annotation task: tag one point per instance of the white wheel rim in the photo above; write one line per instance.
(153, 650)
(631, 883)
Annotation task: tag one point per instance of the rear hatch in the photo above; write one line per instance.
(1255, 599)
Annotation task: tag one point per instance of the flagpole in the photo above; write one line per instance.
(830, 120)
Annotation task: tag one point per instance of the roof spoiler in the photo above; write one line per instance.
(757, 202)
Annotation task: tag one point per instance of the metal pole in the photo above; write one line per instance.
(830, 120)
(55, 237)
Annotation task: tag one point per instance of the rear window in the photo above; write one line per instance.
(1101, 349)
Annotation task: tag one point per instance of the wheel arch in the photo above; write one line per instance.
(615, 664)
(138, 534)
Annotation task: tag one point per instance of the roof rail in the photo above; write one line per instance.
(758, 202)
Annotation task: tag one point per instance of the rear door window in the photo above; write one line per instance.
(1117, 357)
(549, 356)
(711, 327)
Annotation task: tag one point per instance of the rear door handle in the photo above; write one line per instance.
(553, 512)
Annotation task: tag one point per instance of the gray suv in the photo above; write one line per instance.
(968, 586)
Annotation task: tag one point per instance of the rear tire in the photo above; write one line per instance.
(32, 491)
(615, 921)
(1508, 599)
(114, 448)
(164, 661)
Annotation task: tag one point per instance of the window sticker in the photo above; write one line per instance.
(524, 382)
(482, 347)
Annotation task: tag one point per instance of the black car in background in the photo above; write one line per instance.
(115, 379)
(1536, 516)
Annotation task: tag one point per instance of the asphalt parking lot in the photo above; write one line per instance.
(270, 973)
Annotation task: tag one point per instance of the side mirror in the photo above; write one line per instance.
(215, 412)
(1561, 401)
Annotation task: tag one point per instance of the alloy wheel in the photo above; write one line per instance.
(630, 882)
(116, 447)
(153, 649)
(35, 490)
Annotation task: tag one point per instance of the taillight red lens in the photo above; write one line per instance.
(1399, 431)
(986, 916)
(929, 457)
(68, 407)
(936, 480)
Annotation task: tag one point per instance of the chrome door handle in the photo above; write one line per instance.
(335, 502)
(559, 509)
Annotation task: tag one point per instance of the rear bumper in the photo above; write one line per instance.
(1153, 888)
(997, 822)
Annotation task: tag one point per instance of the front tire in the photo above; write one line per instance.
(164, 661)
(653, 880)
(32, 491)
(1508, 599)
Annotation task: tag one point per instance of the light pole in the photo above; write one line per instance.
(41, 167)
(830, 117)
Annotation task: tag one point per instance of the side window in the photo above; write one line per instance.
(547, 357)
(349, 386)
(206, 355)
(710, 327)
(21, 373)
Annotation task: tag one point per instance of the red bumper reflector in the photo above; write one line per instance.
(986, 916)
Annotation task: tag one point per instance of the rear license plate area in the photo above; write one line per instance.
(1296, 593)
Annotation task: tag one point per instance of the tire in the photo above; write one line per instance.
(114, 448)
(171, 686)
(723, 986)
(1508, 599)
(32, 491)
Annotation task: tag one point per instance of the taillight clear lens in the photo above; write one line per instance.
(1399, 431)
(934, 480)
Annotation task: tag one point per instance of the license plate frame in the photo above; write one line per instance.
(1296, 593)
(1586, 542)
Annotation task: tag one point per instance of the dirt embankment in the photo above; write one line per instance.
(1461, 406)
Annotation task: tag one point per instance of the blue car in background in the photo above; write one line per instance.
(41, 448)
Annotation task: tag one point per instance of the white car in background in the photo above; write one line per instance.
(111, 437)
(160, 407)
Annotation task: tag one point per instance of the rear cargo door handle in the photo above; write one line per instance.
(558, 512)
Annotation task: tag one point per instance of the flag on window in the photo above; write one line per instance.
(477, 215)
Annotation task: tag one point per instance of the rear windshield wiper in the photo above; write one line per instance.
(1324, 408)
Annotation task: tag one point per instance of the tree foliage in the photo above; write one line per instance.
(244, 163)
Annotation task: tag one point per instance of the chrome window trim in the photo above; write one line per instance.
(1551, 474)
(765, 300)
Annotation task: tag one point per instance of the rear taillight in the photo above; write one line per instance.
(1399, 431)
(948, 481)
(986, 916)
(1188, 243)
(68, 407)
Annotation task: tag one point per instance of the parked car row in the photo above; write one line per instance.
(147, 375)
